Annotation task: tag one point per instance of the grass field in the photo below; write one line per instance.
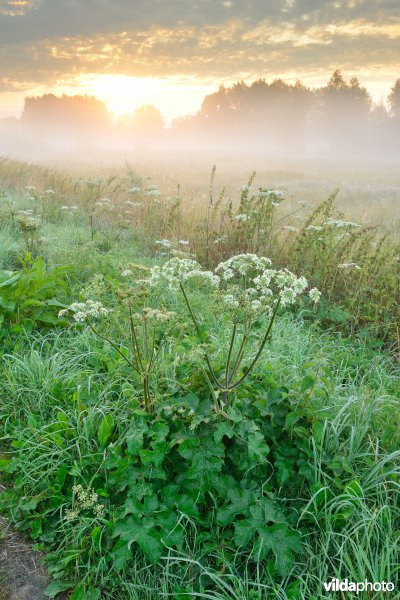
(176, 422)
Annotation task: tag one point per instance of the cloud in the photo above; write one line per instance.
(39, 19)
(43, 42)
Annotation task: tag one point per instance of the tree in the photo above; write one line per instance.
(344, 113)
(394, 100)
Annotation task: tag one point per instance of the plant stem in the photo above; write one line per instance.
(261, 348)
(193, 317)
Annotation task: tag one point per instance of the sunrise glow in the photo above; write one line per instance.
(122, 94)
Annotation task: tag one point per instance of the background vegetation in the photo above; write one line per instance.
(290, 483)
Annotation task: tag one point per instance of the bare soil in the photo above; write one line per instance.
(22, 576)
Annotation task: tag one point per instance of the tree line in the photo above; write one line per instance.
(276, 117)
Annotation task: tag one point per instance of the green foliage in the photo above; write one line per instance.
(28, 297)
(266, 493)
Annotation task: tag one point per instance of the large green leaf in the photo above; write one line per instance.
(205, 457)
(282, 541)
(143, 532)
(105, 429)
(239, 503)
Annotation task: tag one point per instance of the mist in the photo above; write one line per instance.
(251, 122)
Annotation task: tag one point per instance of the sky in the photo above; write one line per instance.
(172, 53)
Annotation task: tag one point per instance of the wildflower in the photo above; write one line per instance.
(153, 193)
(242, 264)
(350, 266)
(243, 217)
(314, 228)
(99, 510)
(340, 224)
(183, 242)
(126, 273)
(26, 221)
(178, 270)
(290, 228)
(164, 243)
(85, 310)
(71, 514)
(153, 314)
(256, 305)
(314, 295)
(134, 190)
(221, 239)
(52, 192)
(230, 301)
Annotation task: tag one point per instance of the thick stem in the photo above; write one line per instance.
(239, 355)
(261, 348)
(197, 327)
(228, 362)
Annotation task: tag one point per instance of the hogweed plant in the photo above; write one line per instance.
(144, 338)
(247, 291)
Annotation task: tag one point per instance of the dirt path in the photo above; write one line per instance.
(22, 576)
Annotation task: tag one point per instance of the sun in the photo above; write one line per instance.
(123, 94)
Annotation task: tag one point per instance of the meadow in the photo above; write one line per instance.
(199, 380)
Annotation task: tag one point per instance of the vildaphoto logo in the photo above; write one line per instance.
(335, 585)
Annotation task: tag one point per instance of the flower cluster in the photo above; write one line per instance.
(85, 310)
(242, 265)
(154, 315)
(84, 500)
(341, 224)
(69, 207)
(243, 217)
(180, 270)
(349, 266)
(27, 221)
(261, 288)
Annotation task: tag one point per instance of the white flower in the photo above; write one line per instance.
(221, 239)
(134, 190)
(314, 295)
(85, 310)
(164, 243)
(350, 266)
(243, 217)
(183, 242)
(231, 301)
(256, 305)
(290, 228)
(314, 228)
(339, 223)
(126, 273)
(242, 264)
